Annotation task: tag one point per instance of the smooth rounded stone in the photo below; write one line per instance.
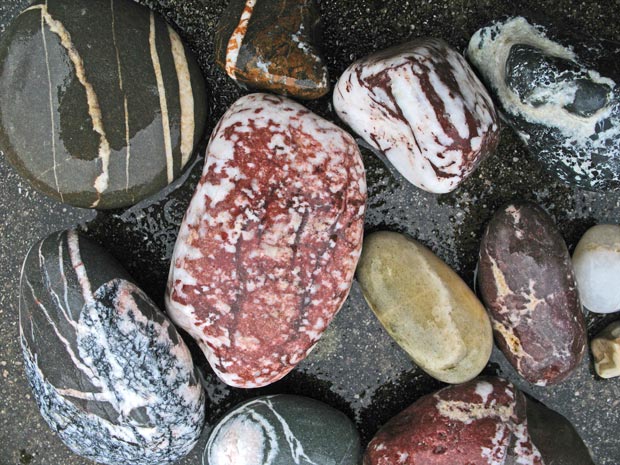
(555, 437)
(526, 280)
(268, 247)
(283, 430)
(482, 422)
(102, 105)
(421, 106)
(559, 93)
(109, 372)
(606, 351)
(273, 45)
(597, 268)
(425, 306)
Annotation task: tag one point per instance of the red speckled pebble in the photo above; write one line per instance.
(267, 250)
(481, 422)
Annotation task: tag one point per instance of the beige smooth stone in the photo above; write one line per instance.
(606, 351)
(425, 306)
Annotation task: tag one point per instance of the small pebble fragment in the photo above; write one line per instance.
(425, 306)
(606, 351)
(109, 372)
(561, 95)
(597, 268)
(526, 280)
(273, 45)
(283, 430)
(268, 247)
(423, 108)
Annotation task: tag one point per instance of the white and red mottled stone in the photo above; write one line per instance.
(421, 105)
(527, 283)
(481, 422)
(267, 251)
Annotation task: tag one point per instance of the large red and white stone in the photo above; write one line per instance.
(482, 422)
(267, 250)
(422, 107)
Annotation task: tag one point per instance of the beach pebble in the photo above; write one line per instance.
(273, 45)
(425, 306)
(597, 268)
(526, 280)
(109, 372)
(268, 247)
(606, 351)
(559, 93)
(421, 106)
(102, 104)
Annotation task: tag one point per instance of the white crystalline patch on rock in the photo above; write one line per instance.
(241, 441)
(489, 49)
(484, 389)
(496, 455)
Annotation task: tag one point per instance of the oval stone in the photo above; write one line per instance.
(606, 351)
(283, 430)
(425, 306)
(597, 268)
(102, 103)
(482, 422)
(423, 108)
(560, 94)
(526, 280)
(267, 250)
(109, 372)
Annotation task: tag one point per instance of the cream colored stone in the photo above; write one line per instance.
(606, 351)
(425, 306)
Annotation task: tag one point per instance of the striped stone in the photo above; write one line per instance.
(102, 103)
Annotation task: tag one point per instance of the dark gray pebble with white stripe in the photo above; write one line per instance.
(102, 104)
(110, 374)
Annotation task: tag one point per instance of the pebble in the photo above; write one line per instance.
(606, 351)
(421, 106)
(560, 95)
(526, 280)
(273, 45)
(425, 306)
(98, 116)
(109, 372)
(283, 430)
(597, 268)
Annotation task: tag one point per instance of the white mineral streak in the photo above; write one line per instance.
(163, 103)
(329, 143)
(496, 454)
(484, 389)
(186, 96)
(527, 453)
(78, 266)
(236, 39)
(94, 110)
(406, 128)
(468, 412)
(489, 50)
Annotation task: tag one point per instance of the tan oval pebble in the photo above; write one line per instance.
(606, 351)
(425, 306)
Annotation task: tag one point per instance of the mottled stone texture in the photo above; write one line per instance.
(109, 372)
(560, 93)
(482, 422)
(423, 108)
(606, 351)
(526, 281)
(283, 430)
(425, 306)
(102, 105)
(273, 45)
(267, 250)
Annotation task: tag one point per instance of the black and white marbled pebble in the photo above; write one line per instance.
(283, 430)
(102, 104)
(560, 93)
(110, 374)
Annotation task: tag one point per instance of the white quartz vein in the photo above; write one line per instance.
(236, 39)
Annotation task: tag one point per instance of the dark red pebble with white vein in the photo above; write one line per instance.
(527, 283)
(267, 250)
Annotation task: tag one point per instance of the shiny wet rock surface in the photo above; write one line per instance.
(356, 368)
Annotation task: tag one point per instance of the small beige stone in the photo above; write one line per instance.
(425, 306)
(606, 351)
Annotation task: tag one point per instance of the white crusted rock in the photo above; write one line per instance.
(606, 351)
(422, 107)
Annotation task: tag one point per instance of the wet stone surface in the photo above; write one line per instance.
(356, 367)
